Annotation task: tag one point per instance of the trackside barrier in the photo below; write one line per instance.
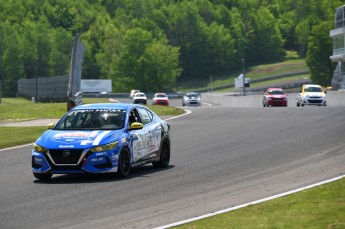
(334, 98)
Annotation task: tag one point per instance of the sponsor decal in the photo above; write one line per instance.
(83, 138)
(66, 146)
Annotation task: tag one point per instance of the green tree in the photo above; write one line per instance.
(319, 50)
(268, 43)
(146, 63)
(160, 64)
(11, 50)
(221, 48)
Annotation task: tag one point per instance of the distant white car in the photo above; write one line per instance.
(311, 94)
(139, 98)
(132, 93)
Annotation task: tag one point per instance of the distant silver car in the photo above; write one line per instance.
(191, 99)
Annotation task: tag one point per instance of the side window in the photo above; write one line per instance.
(146, 116)
(133, 117)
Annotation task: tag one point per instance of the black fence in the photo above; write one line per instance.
(48, 89)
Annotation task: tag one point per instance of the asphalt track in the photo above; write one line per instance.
(221, 157)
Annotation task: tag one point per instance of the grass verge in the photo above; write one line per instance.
(319, 207)
(14, 136)
(254, 72)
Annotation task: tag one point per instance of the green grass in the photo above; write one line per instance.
(255, 72)
(268, 82)
(319, 207)
(18, 109)
(14, 136)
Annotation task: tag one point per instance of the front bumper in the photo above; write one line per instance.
(277, 103)
(86, 162)
(319, 101)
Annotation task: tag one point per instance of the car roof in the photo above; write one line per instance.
(139, 94)
(275, 89)
(192, 93)
(160, 93)
(311, 85)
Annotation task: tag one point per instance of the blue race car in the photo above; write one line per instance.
(102, 138)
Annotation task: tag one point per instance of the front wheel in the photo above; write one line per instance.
(164, 157)
(43, 176)
(124, 166)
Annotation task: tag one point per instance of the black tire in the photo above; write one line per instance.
(124, 166)
(43, 176)
(164, 156)
(297, 104)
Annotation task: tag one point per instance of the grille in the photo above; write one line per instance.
(314, 101)
(193, 102)
(62, 157)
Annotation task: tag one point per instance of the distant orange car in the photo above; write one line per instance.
(274, 97)
(160, 99)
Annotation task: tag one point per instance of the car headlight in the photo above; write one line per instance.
(40, 149)
(104, 147)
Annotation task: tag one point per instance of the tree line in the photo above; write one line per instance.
(151, 44)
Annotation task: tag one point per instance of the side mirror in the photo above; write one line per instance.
(50, 125)
(136, 126)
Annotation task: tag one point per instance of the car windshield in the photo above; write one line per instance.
(276, 92)
(192, 95)
(161, 96)
(92, 119)
(313, 89)
(139, 95)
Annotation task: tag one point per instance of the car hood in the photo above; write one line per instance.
(311, 94)
(55, 139)
(277, 96)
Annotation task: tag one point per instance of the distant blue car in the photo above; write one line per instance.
(102, 138)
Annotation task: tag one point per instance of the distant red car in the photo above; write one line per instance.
(274, 97)
(160, 99)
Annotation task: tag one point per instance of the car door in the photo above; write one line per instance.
(138, 137)
(146, 141)
(153, 130)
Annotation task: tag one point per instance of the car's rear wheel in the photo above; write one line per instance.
(124, 166)
(164, 157)
(43, 176)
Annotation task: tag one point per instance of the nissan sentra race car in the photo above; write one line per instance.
(102, 138)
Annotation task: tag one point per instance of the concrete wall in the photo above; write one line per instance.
(334, 98)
